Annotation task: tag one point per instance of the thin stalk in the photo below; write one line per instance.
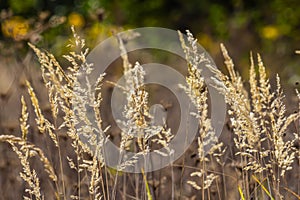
(214, 169)
(124, 186)
(172, 174)
(60, 161)
(183, 162)
(102, 183)
(78, 173)
(62, 170)
(203, 180)
(263, 187)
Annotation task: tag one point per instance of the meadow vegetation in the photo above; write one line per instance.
(261, 154)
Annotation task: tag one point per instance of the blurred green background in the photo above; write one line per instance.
(271, 28)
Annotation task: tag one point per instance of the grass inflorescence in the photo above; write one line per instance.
(261, 155)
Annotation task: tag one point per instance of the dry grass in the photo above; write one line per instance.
(258, 118)
(259, 121)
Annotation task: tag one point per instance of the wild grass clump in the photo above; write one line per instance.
(259, 122)
(257, 115)
(197, 91)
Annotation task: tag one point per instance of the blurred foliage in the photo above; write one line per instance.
(268, 27)
(217, 17)
(47, 23)
(244, 25)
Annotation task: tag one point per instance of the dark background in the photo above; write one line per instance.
(269, 27)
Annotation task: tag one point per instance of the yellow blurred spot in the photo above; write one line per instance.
(208, 43)
(15, 27)
(115, 172)
(98, 32)
(205, 40)
(95, 30)
(76, 19)
(270, 32)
